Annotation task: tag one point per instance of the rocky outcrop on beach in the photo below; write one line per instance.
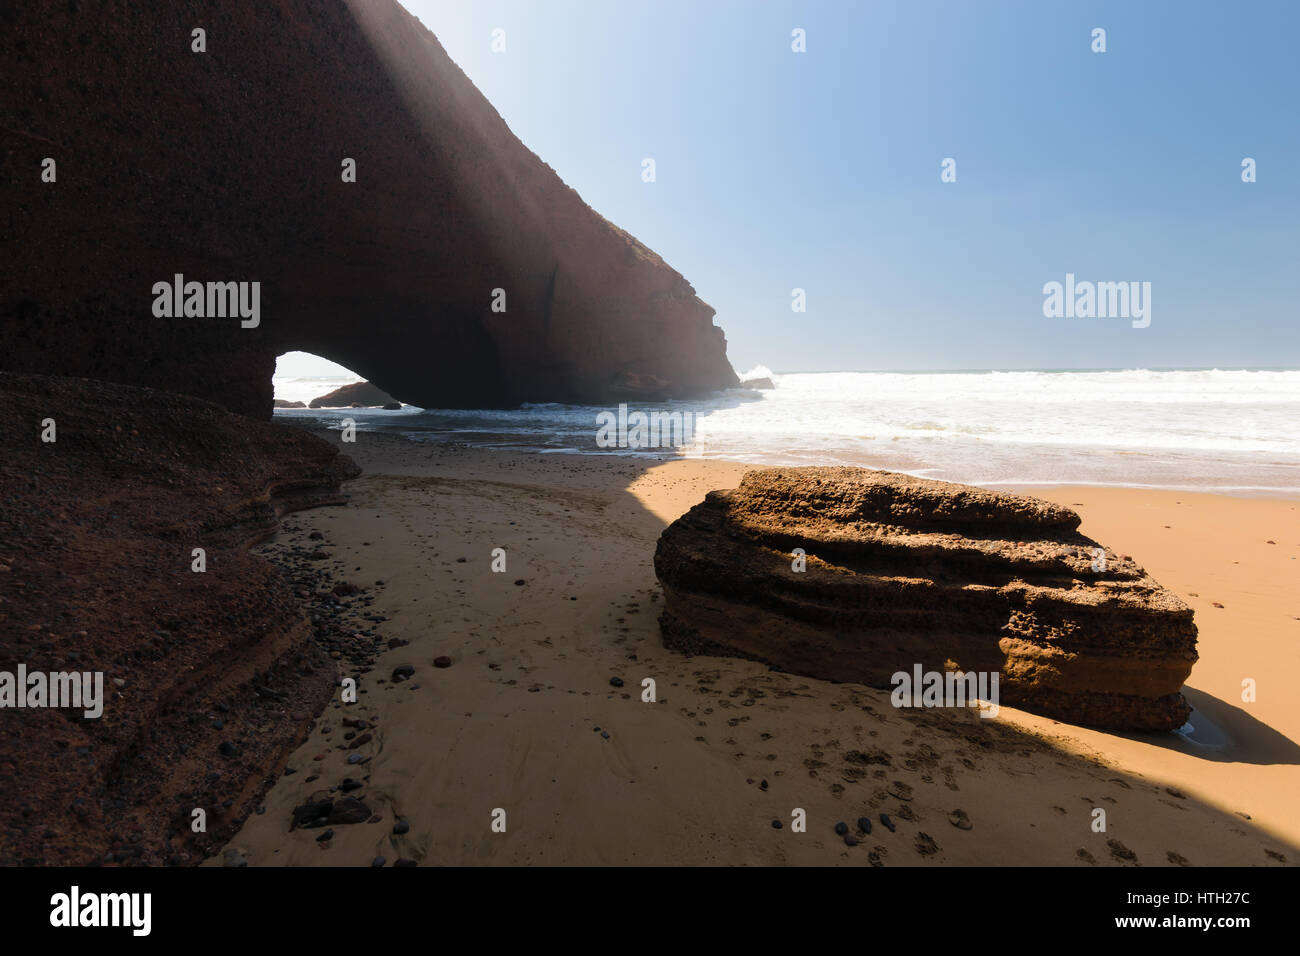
(456, 270)
(356, 395)
(210, 673)
(900, 571)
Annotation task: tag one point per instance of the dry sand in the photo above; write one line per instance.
(698, 776)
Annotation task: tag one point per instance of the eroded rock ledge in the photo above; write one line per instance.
(902, 571)
(210, 679)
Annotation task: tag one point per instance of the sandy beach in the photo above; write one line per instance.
(525, 719)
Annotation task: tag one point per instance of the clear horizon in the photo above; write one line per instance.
(307, 365)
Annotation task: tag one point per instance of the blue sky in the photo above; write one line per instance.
(821, 170)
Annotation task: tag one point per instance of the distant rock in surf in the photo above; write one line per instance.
(356, 395)
(281, 403)
(762, 383)
(901, 571)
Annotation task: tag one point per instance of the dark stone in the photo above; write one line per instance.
(311, 811)
(349, 810)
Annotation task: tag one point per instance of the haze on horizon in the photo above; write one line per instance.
(821, 170)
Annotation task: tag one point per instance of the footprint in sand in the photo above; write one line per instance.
(900, 790)
(1120, 852)
(960, 820)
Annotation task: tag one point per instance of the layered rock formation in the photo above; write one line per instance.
(361, 394)
(209, 679)
(226, 166)
(903, 571)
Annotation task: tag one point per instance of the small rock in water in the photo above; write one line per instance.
(841, 828)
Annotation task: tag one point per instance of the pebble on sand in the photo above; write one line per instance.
(401, 826)
(442, 661)
(841, 828)
(864, 824)
(884, 818)
(776, 824)
(616, 682)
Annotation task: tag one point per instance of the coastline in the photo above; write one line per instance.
(512, 723)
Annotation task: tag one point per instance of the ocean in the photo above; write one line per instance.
(1233, 431)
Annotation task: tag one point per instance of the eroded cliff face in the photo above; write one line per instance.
(209, 673)
(226, 166)
(904, 572)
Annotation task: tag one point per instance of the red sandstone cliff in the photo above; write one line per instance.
(225, 166)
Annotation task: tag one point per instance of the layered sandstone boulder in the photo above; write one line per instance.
(903, 571)
(229, 165)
